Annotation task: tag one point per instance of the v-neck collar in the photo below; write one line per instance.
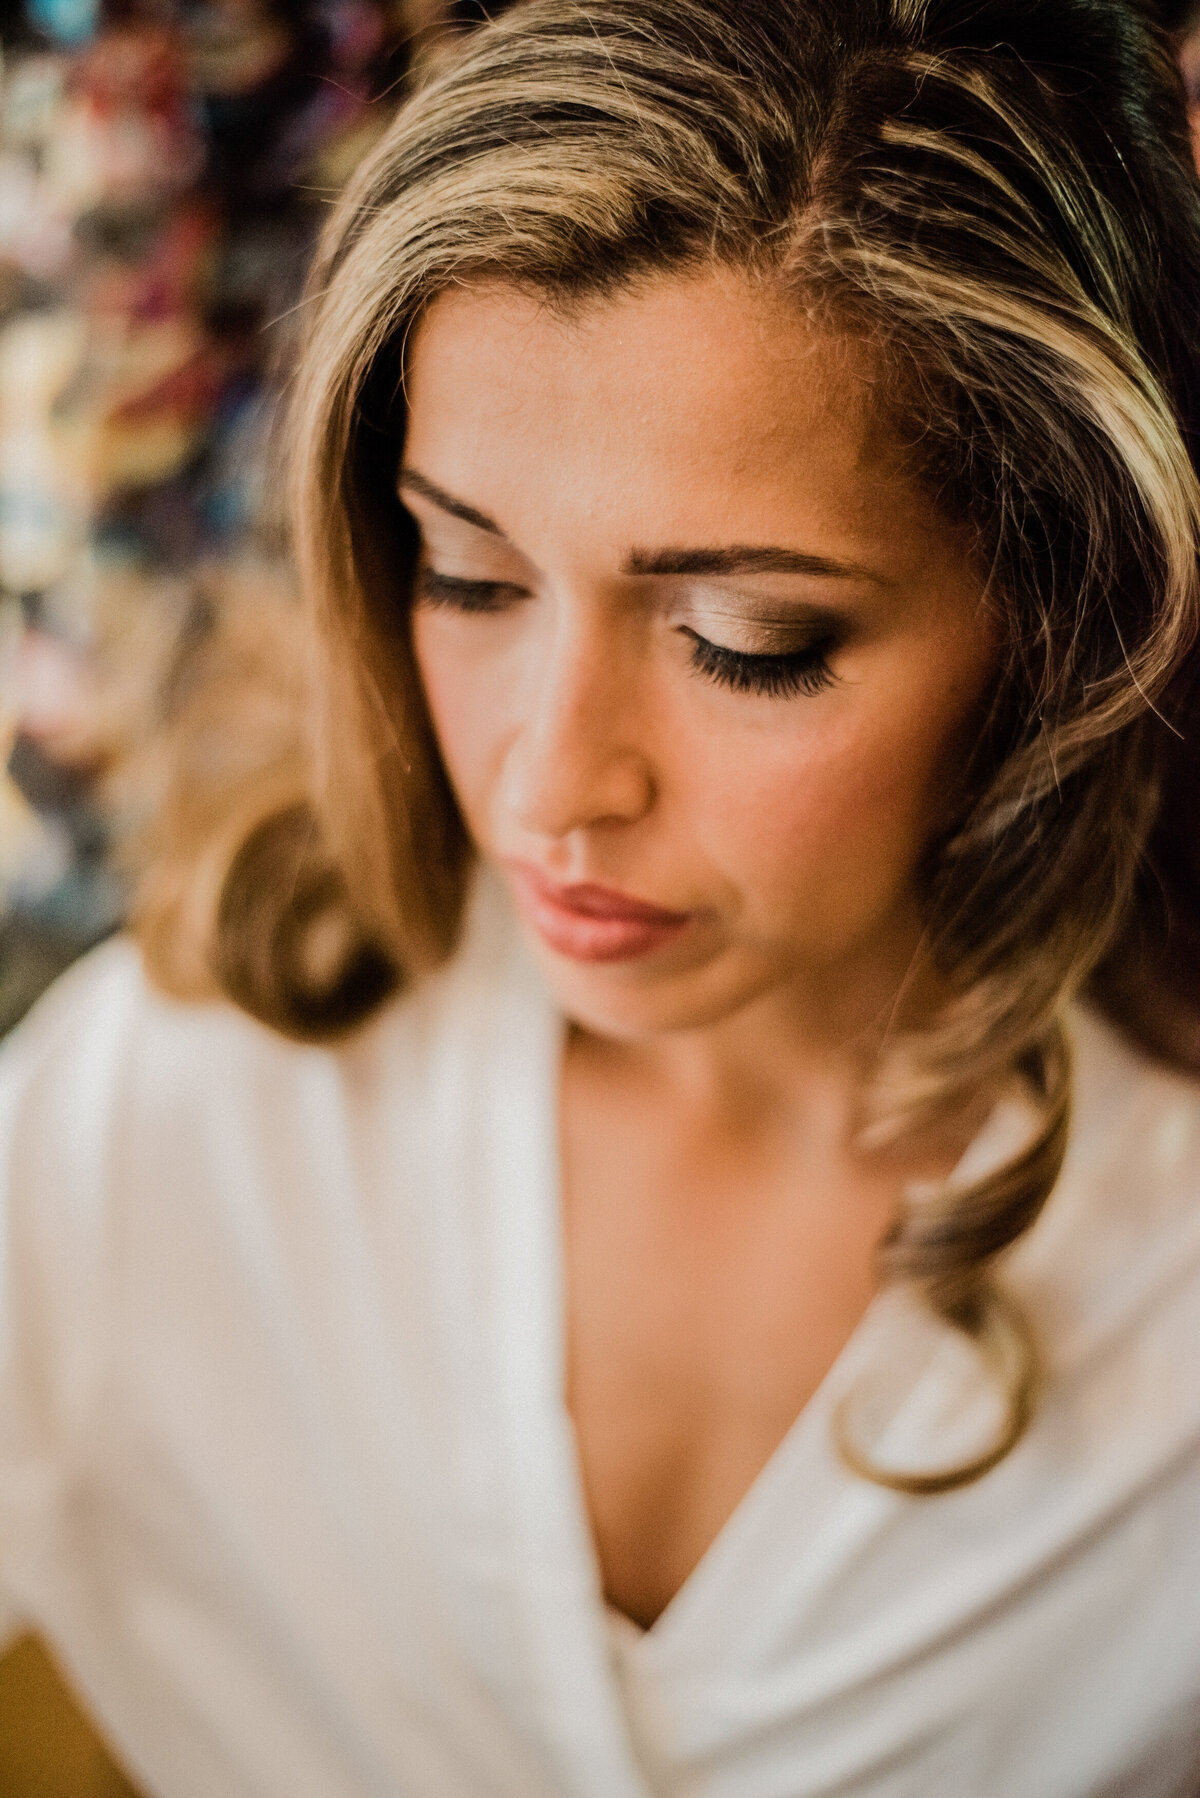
(804, 1467)
(578, 1708)
(578, 1637)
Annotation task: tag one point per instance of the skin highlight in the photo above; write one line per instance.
(617, 507)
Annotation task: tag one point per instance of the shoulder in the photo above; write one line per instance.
(110, 1092)
(1129, 1104)
(62, 1067)
(108, 1078)
(1135, 1137)
(71, 1070)
(1115, 1256)
(152, 1146)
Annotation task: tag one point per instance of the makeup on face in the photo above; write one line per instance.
(700, 657)
(728, 602)
(591, 923)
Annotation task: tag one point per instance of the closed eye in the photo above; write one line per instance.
(804, 670)
(779, 676)
(460, 594)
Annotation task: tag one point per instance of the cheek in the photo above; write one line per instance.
(461, 696)
(828, 822)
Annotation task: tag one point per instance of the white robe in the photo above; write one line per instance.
(288, 1482)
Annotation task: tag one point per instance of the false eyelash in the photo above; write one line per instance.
(804, 670)
(461, 594)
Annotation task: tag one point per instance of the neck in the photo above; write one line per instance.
(798, 1053)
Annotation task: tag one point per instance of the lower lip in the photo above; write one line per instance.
(581, 937)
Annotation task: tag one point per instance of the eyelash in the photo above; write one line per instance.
(804, 670)
(459, 595)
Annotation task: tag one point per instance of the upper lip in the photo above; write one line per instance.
(591, 900)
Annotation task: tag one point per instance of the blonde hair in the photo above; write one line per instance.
(1013, 227)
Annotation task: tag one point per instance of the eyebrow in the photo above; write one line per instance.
(742, 558)
(735, 559)
(412, 482)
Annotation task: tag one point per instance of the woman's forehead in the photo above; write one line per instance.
(690, 407)
(715, 337)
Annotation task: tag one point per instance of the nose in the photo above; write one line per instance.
(580, 755)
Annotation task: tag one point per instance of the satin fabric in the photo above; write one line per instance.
(288, 1481)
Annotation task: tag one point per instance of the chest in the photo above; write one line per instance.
(350, 1539)
(707, 1297)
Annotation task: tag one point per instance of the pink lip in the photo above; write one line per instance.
(593, 923)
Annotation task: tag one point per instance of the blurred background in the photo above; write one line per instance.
(164, 168)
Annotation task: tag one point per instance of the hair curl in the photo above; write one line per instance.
(997, 194)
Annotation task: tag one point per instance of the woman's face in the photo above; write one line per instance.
(702, 659)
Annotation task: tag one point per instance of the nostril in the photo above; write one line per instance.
(557, 782)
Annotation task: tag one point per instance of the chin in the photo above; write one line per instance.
(633, 1006)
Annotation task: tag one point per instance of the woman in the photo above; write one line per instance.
(705, 1299)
